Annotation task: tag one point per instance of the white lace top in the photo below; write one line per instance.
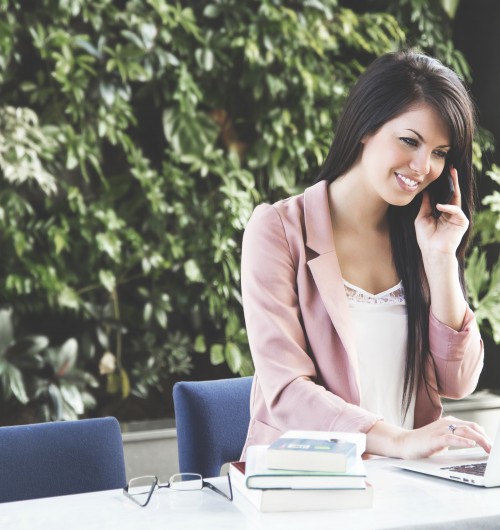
(381, 333)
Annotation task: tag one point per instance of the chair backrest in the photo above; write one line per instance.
(212, 420)
(60, 458)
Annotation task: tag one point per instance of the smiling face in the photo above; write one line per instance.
(405, 155)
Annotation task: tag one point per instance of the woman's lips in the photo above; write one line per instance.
(406, 183)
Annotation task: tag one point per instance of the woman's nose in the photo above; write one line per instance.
(420, 163)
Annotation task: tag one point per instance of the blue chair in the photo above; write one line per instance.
(212, 420)
(60, 458)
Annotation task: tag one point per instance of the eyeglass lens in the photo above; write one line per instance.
(186, 481)
(141, 485)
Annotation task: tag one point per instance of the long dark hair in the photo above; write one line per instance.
(391, 85)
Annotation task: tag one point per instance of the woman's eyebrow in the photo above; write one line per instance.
(421, 138)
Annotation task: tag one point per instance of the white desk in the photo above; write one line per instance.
(402, 500)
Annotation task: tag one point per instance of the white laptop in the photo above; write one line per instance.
(470, 466)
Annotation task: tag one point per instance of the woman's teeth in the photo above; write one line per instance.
(409, 182)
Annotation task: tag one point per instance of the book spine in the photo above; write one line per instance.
(242, 493)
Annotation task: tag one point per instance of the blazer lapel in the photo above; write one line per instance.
(325, 267)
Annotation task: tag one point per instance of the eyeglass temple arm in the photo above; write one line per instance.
(217, 490)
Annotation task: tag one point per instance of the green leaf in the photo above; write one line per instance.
(108, 92)
(85, 45)
(489, 305)
(233, 357)
(205, 58)
(211, 11)
(124, 383)
(69, 298)
(73, 398)
(494, 173)
(216, 354)
(57, 401)
(199, 344)
(476, 276)
(147, 312)
(233, 325)
(113, 383)
(31, 362)
(28, 346)
(13, 379)
(133, 38)
(247, 367)
(161, 318)
(67, 355)
(189, 133)
(89, 401)
(6, 330)
(110, 244)
(108, 280)
(192, 271)
(450, 6)
(149, 32)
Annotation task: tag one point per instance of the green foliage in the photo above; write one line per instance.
(136, 138)
(32, 371)
(22, 143)
(17, 356)
(428, 26)
(483, 265)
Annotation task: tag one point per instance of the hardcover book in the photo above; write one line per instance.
(333, 453)
(282, 500)
(259, 476)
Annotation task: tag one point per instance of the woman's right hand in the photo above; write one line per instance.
(388, 440)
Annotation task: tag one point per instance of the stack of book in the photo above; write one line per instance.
(304, 470)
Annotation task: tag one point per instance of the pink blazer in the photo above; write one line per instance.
(300, 333)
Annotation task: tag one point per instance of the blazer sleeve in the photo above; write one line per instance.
(286, 372)
(458, 355)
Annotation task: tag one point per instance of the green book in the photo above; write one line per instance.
(259, 476)
(292, 500)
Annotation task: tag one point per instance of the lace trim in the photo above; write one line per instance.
(393, 296)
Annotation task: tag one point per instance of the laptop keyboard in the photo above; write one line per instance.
(471, 469)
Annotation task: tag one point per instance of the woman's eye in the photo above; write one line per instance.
(409, 141)
(441, 154)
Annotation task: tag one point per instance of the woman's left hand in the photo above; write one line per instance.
(441, 235)
(441, 434)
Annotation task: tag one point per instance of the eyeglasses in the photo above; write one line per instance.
(140, 489)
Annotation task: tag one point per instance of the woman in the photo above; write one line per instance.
(353, 291)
